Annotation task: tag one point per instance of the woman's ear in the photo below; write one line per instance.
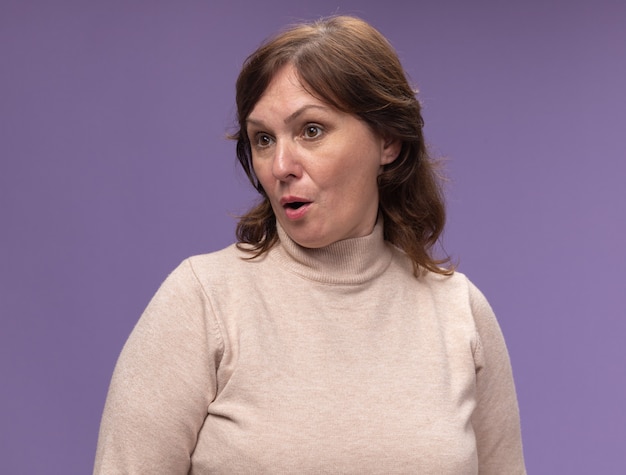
(391, 150)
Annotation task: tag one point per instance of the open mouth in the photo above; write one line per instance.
(295, 204)
(295, 207)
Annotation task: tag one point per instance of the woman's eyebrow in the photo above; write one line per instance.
(302, 109)
(290, 118)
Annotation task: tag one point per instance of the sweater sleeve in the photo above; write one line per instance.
(496, 417)
(163, 383)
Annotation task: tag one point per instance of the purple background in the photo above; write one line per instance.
(114, 167)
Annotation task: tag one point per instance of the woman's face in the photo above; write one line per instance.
(318, 165)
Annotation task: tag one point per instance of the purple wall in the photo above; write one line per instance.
(114, 167)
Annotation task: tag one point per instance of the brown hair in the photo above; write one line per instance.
(348, 64)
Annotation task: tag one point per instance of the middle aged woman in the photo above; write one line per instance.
(329, 339)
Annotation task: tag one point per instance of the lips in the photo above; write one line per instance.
(295, 207)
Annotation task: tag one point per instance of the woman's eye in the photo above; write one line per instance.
(263, 140)
(312, 131)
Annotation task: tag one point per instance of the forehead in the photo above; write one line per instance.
(285, 94)
(286, 84)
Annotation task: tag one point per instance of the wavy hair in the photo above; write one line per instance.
(348, 64)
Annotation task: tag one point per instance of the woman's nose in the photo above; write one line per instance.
(286, 165)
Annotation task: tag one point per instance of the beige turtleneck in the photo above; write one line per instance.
(336, 360)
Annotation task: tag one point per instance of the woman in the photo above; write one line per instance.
(329, 339)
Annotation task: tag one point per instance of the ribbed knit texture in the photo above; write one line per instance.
(336, 360)
(351, 262)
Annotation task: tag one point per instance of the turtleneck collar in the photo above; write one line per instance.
(349, 262)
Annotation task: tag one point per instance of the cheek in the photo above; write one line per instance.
(354, 171)
(347, 184)
(260, 171)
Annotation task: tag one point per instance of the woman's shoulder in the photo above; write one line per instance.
(456, 286)
(453, 287)
(227, 255)
(226, 264)
(443, 281)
